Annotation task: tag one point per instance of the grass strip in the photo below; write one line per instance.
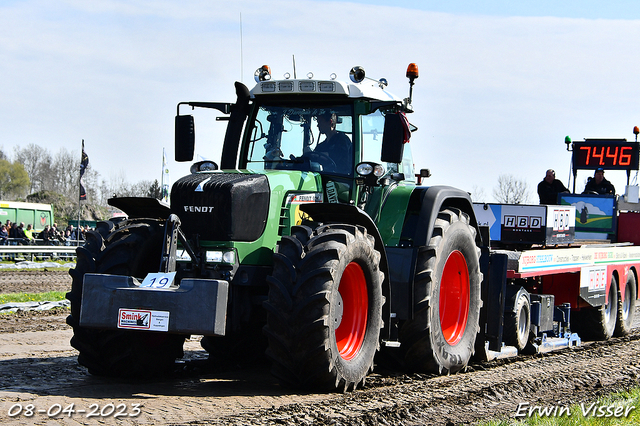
(50, 296)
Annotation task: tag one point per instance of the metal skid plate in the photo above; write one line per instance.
(504, 352)
(197, 306)
(546, 344)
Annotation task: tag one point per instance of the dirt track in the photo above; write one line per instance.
(40, 368)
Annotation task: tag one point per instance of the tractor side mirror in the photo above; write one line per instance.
(185, 137)
(393, 138)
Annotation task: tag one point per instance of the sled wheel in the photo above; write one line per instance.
(517, 322)
(599, 323)
(609, 312)
(324, 310)
(129, 248)
(441, 336)
(626, 307)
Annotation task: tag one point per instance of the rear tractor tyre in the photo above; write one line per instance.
(324, 311)
(441, 336)
(131, 248)
(626, 307)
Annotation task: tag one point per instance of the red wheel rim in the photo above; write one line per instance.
(454, 297)
(355, 306)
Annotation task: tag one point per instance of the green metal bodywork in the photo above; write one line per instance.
(386, 206)
(393, 211)
(282, 184)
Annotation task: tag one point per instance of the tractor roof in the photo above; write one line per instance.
(365, 88)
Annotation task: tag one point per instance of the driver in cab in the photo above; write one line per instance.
(336, 145)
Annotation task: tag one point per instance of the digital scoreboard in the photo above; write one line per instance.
(610, 154)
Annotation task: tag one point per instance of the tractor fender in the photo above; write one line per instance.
(345, 213)
(432, 200)
(141, 207)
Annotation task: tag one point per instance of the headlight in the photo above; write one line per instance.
(221, 256)
(365, 169)
(214, 256)
(378, 170)
(229, 257)
(183, 256)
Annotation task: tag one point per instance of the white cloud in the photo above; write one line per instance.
(591, 209)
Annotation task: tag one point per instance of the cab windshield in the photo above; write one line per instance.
(313, 138)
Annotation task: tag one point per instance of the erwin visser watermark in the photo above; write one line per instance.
(525, 409)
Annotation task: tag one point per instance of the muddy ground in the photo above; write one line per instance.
(40, 376)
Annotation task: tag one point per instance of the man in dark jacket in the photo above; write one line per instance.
(599, 184)
(549, 188)
(336, 145)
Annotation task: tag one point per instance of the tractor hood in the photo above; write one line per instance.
(222, 206)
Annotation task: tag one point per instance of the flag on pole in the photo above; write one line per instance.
(84, 162)
(165, 177)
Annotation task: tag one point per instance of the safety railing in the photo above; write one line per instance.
(41, 242)
(38, 252)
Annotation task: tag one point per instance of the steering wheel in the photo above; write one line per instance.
(320, 157)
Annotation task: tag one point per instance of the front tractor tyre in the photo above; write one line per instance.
(130, 248)
(324, 310)
(441, 336)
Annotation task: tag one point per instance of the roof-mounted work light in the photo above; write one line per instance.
(262, 74)
(357, 74)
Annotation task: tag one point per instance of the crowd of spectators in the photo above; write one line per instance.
(12, 233)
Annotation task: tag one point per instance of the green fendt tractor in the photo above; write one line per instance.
(313, 241)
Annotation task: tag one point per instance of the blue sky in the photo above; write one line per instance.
(590, 9)
(501, 83)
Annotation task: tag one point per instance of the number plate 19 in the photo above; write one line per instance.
(159, 280)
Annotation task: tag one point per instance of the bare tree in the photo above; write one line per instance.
(37, 163)
(511, 190)
(90, 181)
(65, 171)
(142, 189)
(60, 173)
(478, 195)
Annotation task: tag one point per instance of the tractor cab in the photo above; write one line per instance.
(342, 131)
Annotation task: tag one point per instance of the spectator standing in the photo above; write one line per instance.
(4, 235)
(550, 187)
(13, 234)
